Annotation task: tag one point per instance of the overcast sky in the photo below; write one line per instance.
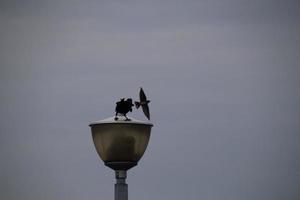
(223, 77)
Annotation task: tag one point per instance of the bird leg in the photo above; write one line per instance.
(116, 118)
(127, 119)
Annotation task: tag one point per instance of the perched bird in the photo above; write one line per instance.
(123, 107)
(143, 103)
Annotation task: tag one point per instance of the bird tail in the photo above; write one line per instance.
(137, 104)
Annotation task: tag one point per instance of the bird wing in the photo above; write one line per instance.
(143, 97)
(145, 108)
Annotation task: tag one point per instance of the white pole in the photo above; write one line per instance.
(121, 188)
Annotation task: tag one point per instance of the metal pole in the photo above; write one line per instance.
(121, 188)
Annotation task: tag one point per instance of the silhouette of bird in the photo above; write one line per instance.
(123, 107)
(143, 103)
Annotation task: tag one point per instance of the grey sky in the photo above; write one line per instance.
(223, 77)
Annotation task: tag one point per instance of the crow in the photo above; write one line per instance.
(143, 103)
(123, 107)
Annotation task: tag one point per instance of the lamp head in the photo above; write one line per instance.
(122, 143)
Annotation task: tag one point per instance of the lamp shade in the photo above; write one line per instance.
(120, 143)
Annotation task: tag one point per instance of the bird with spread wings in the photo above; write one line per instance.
(143, 103)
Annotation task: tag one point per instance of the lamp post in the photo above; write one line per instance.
(120, 144)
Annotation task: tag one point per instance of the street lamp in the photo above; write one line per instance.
(121, 144)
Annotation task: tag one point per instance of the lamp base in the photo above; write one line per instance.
(120, 165)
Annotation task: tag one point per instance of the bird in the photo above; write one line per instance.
(123, 107)
(143, 103)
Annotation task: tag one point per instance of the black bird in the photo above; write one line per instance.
(123, 107)
(143, 103)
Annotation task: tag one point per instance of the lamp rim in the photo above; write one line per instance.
(112, 120)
